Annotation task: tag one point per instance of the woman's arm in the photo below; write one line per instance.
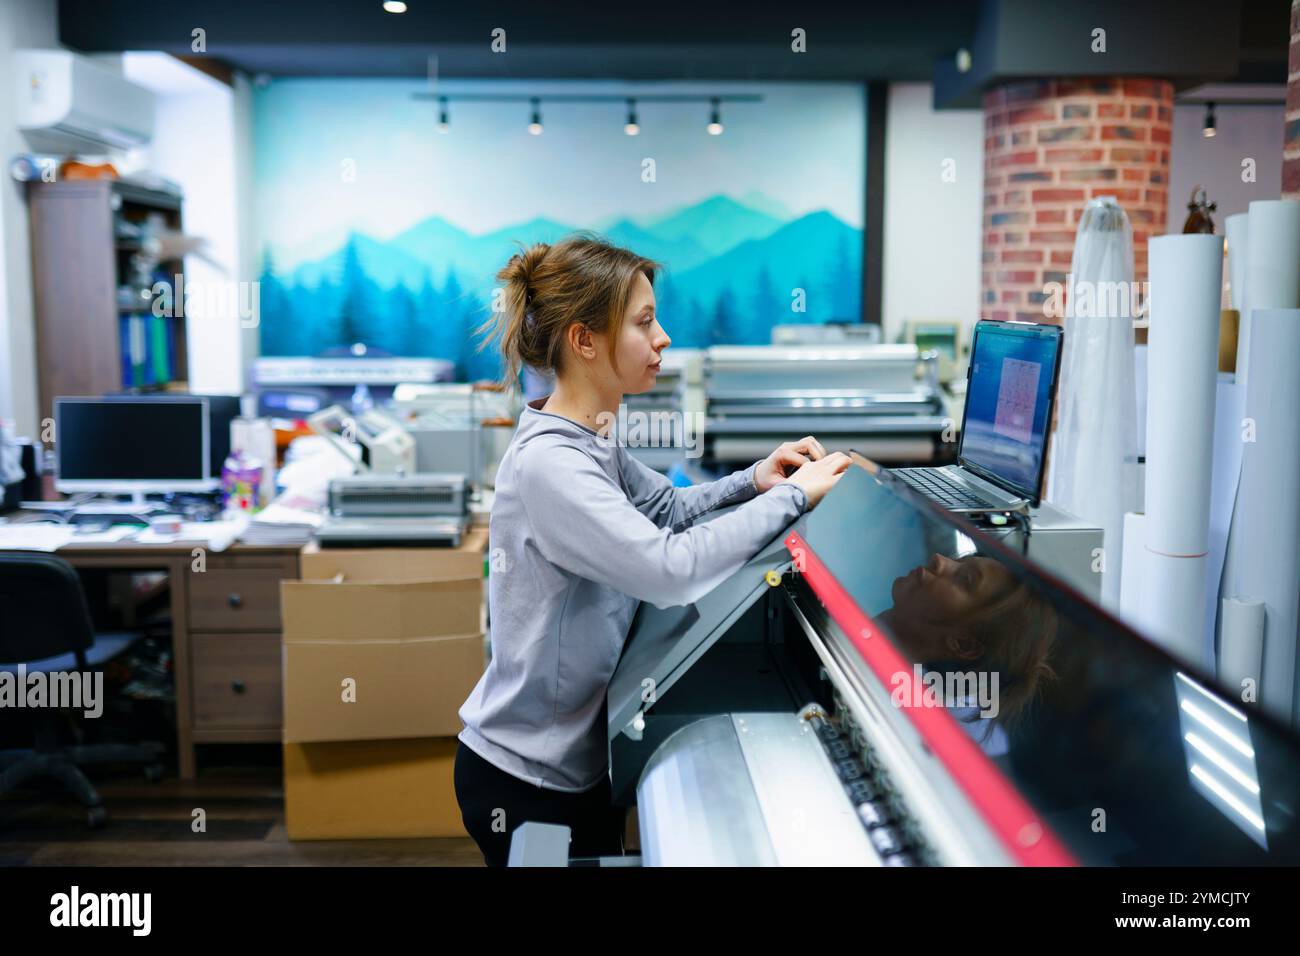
(675, 508)
(584, 523)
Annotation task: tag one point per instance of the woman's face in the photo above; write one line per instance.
(935, 597)
(641, 342)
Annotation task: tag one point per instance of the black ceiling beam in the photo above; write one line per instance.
(1186, 41)
(578, 39)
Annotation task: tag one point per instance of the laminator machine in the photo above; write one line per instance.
(886, 685)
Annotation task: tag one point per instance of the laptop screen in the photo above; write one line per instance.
(1009, 403)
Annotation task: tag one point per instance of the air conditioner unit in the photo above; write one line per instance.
(68, 104)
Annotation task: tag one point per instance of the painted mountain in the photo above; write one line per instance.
(734, 269)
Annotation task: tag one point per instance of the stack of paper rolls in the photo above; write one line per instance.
(1272, 267)
(1263, 553)
(1186, 274)
(1241, 661)
(1238, 232)
(1265, 535)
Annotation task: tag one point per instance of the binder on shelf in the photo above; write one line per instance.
(159, 349)
(132, 348)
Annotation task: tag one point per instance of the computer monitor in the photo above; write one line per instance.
(1011, 387)
(116, 446)
(222, 410)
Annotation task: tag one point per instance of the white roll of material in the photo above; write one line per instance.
(1237, 230)
(1182, 365)
(1272, 267)
(1265, 535)
(1132, 575)
(1186, 272)
(1093, 472)
(1241, 653)
(1173, 606)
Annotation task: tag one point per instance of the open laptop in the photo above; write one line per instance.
(1010, 391)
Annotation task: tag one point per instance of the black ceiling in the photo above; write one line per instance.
(662, 40)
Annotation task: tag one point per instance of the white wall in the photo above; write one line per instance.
(199, 145)
(23, 24)
(245, 210)
(1242, 132)
(933, 229)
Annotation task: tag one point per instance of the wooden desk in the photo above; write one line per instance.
(225, 636)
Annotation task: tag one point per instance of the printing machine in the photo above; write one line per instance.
(884, 400)
(885, 685)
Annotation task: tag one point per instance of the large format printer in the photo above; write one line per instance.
(884, 400)
(886, 685)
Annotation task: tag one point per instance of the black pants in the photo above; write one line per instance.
(493, 803)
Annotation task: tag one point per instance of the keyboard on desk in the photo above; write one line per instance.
(937, 486)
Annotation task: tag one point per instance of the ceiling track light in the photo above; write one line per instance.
(715, 118)
(394, 6)
(1209, 129)
(632, 127)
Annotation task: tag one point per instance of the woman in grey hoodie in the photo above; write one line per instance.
(580, 533)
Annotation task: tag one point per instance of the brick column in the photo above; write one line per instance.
(1049, 147)
(1291, 139)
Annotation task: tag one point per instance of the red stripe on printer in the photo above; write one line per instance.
(996, 798)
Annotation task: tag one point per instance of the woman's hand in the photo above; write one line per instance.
(788, 458)
(820, 476)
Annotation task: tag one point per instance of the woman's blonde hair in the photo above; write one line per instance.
(582, 278)
(1017, 629)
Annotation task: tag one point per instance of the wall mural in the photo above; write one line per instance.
(377, 228)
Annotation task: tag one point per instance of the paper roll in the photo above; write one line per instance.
(1272, 267)
(1238, 250)
(1265, 535)
(1182, 362)
(1133, 568)
(1241, 651)
(1173, 605)
(1140, 365)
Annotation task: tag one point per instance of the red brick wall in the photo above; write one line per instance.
(1291, 146)
(1049, 147)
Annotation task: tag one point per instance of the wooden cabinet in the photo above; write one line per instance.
(234, 645)
(236, 683)
(81, 256)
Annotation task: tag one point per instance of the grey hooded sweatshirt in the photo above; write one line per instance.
(581, 532)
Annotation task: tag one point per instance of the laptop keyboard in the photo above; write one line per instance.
(939, 487)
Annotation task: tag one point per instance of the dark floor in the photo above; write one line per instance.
(149, 825)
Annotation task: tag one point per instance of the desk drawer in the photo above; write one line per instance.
(236, 680)
(236, 599)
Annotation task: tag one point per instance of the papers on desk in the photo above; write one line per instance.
(34, 536)
(212, 535)
(46, 536)
(288, 520)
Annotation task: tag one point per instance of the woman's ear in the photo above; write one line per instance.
(581, 341)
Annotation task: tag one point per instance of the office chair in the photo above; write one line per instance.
(45, 624)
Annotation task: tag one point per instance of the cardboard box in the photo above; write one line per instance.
(397, 564)
(378, 658)
(371, 611)
(371, 790)
(409, 688)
